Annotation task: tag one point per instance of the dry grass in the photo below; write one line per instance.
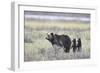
(41, 50)
(59, 25)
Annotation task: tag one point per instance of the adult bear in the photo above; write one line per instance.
(60, 40)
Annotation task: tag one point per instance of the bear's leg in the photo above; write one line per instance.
(79, 49)
(67, 50)
(74, 49)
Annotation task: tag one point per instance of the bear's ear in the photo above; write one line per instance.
(52, 35)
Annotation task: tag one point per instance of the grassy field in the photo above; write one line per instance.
(57, 25)
(37, 48)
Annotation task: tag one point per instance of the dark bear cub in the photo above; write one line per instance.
(79, 44)
(74, 46)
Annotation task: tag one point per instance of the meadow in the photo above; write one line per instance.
(37, 48)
